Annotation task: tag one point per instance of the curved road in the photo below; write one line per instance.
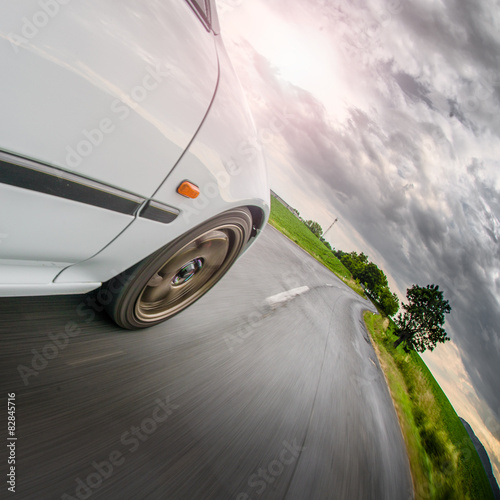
(248, 394)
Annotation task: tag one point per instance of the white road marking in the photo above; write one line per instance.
(283, 297)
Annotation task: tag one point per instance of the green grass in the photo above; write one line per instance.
(283, 220)
(443, 460)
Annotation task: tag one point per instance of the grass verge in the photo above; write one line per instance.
(443, 461)
(293, 228)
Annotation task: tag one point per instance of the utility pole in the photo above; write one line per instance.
(331, 225)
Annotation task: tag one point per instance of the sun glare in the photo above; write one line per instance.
(307, 60)
(295, 61)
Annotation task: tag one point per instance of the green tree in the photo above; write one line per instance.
(366, 272)
(315, 228)
(327, 245)
(373, 278)
(353, 263)
(421, 325)
(389, 302)
(362, 257)
(338, 253)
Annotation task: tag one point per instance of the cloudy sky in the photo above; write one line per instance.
(385, 114)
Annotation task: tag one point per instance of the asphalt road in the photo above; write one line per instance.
(235, 398)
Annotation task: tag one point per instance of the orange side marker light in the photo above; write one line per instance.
(189, 190)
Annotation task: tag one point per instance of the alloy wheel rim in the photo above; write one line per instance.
(188, 273)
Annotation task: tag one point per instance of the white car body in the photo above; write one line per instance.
(106, 108)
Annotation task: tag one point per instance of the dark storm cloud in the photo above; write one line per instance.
(429, 226)
(457, 29)
(460, 36)
(413, 88)
(456, 112)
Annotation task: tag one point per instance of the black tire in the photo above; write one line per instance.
(174, 277)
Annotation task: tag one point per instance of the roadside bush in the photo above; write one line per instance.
(433, 442)
(419, 417)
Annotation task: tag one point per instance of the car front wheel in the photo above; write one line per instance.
(178, 274)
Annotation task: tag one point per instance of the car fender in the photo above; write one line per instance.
(226, 162)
